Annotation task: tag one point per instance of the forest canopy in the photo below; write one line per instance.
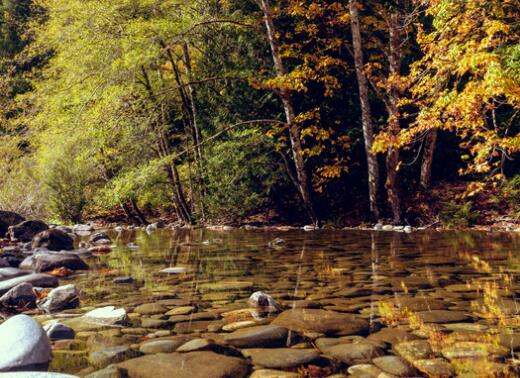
(216, 110)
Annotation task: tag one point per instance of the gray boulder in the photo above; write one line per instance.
(58, 331)
(100, 238)
(8, 218)
(20, 296)
(25, 231)
(61, 298)
(4, 263)
(36, 279)
(54, 240)
(47, 261)
(8, 273)
(24, 345)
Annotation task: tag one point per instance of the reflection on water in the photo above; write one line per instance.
(305, 263)
(455, 291)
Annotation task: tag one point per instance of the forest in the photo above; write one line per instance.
(230, 111)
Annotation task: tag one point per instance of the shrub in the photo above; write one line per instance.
(458, 215)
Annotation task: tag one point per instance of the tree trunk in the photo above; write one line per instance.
(138, 212)
(128, 213)
(392, 159)
(195, 128)
(366, 116)
(426, 166)
(294, 131)
(181, 207)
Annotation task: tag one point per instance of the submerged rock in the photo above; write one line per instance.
(44, 262)
(61, 298)
(175, 270)
(150, 309)
(57, 331)
(54, 240)
(25, 231)
(82, 228)
(24, 345)
(261, 336)
(182, 365)
(354, 353)
(20, 296)
(9, 272)
(36, 279)
(100, 238)
(263, 302)
(321, 321)
(395, 366)
(103, 357)
(107, 315)
(280, 358)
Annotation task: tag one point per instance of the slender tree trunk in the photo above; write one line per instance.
(392, 159)
(165, 149)
(128, 213)
(197, 138)
(294, 131)
(426, 166)
(138, 212)
(366, 115)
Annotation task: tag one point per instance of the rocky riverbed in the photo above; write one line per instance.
(237, 303)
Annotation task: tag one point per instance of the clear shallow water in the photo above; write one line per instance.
(370, 275)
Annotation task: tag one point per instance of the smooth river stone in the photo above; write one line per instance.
(437, 367)
(195, 344)
(321, 321)
(270, 373)
(414, 350)
(418, 303)
(471, 349)
(354, 353)
(103, 357)
(392, 336)
(8, 272)
(23, 343)
(280, 358)
(261, 336)
(36, 279)
(442, 316)
(364, 371)
(394, 365)
(150, 309)
(182, 365)
(183, 310)
(238, 325)
(166, 345)
(226, 286)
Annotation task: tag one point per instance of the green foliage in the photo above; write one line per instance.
(96, 111)
(241, 175)
(510, 193)
(455, 214)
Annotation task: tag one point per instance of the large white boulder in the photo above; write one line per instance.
(23, 342)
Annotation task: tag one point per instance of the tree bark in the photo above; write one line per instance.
(138, 212)
(392, 159)
(303, 186)
(195, 127)
(426, 166)
(181, 207)
(366, 115)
